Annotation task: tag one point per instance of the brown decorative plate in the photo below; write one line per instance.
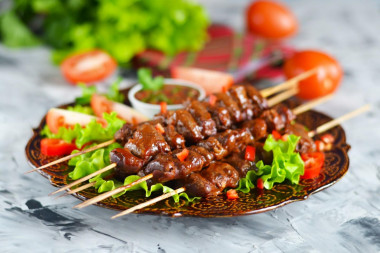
(257, 201)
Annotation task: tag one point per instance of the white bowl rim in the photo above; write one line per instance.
(170, 81)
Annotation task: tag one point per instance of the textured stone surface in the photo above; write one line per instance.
(343, 218)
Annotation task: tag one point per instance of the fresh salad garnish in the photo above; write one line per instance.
(92, 132)
(93, 161)
(149, 82)
(287, 164)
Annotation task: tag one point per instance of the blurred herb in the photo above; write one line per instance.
(87, 92)
(123, 28)
(148, 82)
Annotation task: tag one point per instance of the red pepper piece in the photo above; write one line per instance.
(183, 154)
(250, 153)
(232, 194)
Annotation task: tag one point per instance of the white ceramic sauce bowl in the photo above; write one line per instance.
(150, 110)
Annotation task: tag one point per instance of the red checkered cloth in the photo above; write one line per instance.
(245, 56)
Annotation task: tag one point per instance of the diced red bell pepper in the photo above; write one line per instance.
(276, 135)
(260, 183)
(183, 154)
(160, 128)
(232, 194)
(56, 147)
(313, 164)
(250, 153)
(320, 145)
(212, 99)
(163, 107)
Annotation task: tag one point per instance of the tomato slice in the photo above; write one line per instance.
(100, 104)
(270, 19)
(313, 164)
(56, 147)
(212, 81)
(88, 67)
(57, 118)
(327, 79)
(232, 194)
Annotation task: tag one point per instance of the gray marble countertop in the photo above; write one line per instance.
(342, 218)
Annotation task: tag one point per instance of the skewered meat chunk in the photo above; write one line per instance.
(209, 156)
(248, 109)
(212, 180)
(124, 133)
(200, 113)
(147, 142)
(220, 115)
(185, 125)
(167, 167)
(214, 146)
(257, 127)
(278, 117)
(305, 144)
(173, 138)
(255, 97)
(241, 165)
(225, 100)
(126, 162)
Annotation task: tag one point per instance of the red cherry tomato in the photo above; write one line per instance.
(88, 67)
(212, 81)
(313, 164)
(324, 82)
(232, 194)
(269, 19)
(56, 147)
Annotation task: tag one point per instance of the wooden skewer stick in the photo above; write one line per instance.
(282, 96)
(288, 84)
(110, 193)
(297, 110)
(150, 202)
(337, 121)
(83, 187)
(109, 167)
(66, 158)
(307, 106)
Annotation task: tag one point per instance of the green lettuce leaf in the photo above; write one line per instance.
(87, 92)
(109, 185)
(88, 163)
(286, 164)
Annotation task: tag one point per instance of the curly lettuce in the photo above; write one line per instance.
(112, 94)
(286, 164)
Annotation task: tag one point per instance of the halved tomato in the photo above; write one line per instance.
(88, 67)
(56, 147)
(57, 118)
(100, 104)
(212, 81)
(313, 164)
